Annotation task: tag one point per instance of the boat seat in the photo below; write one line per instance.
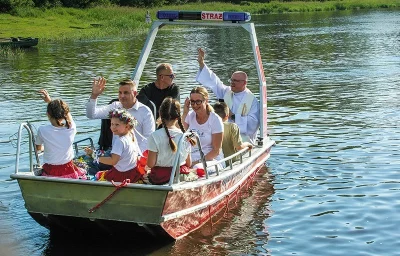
(105, 138)
(144, 100)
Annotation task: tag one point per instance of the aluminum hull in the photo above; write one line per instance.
(171, 211)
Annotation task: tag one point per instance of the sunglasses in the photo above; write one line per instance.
(172, 76)
(197, 102)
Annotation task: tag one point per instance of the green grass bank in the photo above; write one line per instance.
(59, 23)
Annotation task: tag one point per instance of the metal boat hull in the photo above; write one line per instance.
(170, 211)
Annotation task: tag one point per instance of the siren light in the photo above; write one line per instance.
(204, 15)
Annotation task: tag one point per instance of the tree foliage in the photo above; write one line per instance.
(9, 5)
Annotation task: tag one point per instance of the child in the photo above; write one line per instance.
(56, 140)
(162, 144)
(232, 141)
(124, 152)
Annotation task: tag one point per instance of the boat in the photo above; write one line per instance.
(172, 210)
(21, 42)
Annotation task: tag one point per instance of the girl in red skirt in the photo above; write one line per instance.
(162, 144)
(125, 150)
(56, 140)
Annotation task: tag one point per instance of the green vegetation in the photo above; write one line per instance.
(62, 23)
(11, 53)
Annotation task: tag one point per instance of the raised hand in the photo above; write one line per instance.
(98, 87)
(200, 57)
(186, 105)
(185, 112)
(45, 95)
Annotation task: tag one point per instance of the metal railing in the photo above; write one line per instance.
(174, 179)
(32, 148)
(75, 144)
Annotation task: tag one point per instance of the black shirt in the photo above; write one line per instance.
(156, 95)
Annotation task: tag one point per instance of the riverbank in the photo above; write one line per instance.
(58, 24)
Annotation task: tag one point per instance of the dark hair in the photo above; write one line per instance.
(58, 110)
(221, 109)
(170, 109)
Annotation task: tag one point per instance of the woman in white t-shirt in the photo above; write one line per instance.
(162, 144)
(56, 140)
(206, 123)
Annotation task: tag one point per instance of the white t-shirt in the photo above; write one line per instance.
(158, 142)
(213, 125)
(127, 150)
(57, 142)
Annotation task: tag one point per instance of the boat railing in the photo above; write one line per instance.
(175, 174)
(174, 178)
(154, 110)
(240, 153)
(32, 148)
(76, 148)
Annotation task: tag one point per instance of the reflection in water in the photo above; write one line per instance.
(234, 230)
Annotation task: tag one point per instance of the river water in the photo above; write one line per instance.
(331, 186)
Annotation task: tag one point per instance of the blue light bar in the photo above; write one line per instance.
(168, 15)
(205, 15)
(237, 16)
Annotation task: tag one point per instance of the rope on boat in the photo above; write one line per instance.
(117, 187)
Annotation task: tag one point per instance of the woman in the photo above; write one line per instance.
(206, 123)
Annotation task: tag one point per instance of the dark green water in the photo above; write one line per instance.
(332, 183)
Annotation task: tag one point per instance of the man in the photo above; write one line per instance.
(158, 90)
(127, 99)
(244, 107)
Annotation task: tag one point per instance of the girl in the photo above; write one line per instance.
(124, 152)
(162, 144)
(56, 140)
(207, 124)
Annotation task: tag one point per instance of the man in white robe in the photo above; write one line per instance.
(244, 107)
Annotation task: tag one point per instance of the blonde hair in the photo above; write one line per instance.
(203, 91)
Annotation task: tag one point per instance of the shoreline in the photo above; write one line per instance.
(71, 24)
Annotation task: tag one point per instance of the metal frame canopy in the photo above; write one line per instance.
(215, 19)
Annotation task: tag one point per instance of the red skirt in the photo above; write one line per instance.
(161, 175)
(68, 170)
(114, 175)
